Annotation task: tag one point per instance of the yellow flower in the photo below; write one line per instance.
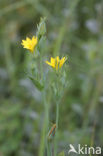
(30, 43)
(56, 62)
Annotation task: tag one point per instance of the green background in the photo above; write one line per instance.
(74, 29)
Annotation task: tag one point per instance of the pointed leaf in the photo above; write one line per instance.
(37, 84)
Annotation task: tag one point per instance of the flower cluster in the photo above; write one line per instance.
(30, 44)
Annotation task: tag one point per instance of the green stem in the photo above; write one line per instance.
(41, 67)
(49, 149)
(46, 118)
(57, 121)
(93, 136)
(57, 116)
(44, 130)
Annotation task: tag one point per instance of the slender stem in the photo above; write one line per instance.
(93, 136)
(44, 129)
(49, 151)
(41, 67)
(46, 118)
(44, 142)
(57, 121)
(57, 116)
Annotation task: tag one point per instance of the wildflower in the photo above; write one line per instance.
(56, 62)
(30, 43)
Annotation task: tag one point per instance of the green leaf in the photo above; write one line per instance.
(37, 84)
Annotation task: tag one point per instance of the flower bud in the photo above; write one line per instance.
(41, 27)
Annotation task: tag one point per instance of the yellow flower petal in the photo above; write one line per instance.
(30, 43)
(50, 64)
(62, 61)
(53, 62)
(56, 62)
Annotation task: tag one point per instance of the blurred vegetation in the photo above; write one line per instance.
(75, 29)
